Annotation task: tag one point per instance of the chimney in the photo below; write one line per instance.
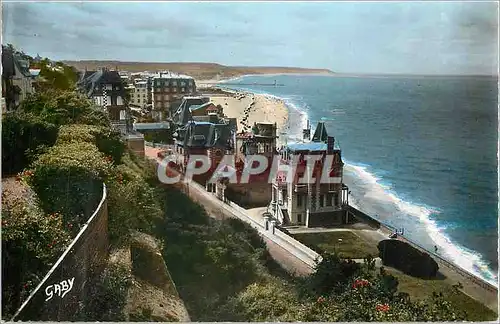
(330, 144)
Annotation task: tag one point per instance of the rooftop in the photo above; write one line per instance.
(311, 147)
(171, 75)
(151, 126)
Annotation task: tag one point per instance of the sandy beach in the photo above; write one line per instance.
(251, 108)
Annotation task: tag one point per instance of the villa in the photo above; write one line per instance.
(311, 203)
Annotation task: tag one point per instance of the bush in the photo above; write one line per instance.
(108, 141)
(23, 138)
(403, 256)
(108, 294)
(31, 242)
(68, 179)
(64, 107)
(132, 205)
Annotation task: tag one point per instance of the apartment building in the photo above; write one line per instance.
(167, 91)
(139, 93)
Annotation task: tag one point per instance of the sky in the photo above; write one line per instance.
(345, 37)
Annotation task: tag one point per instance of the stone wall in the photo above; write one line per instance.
(59, 296)
(251, 194)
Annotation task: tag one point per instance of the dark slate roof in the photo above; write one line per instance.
(320, 135)
(183, 113)
(206, 135)
(93, 78)
(196, 107)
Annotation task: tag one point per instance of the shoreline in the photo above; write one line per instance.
(289, 126)
(249, 108)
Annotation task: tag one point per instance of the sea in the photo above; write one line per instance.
(420, 153)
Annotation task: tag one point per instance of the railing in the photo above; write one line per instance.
(87, 252)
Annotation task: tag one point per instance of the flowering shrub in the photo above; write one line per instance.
(31, 242)
(360, 283)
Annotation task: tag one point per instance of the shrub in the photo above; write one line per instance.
(31, 242)
(108, 141)
(408, 259)
(23, 138)
(108, 296)
(68, 179)
(64, 107)
(133, 205)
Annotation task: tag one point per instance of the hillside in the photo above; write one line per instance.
(200, 71)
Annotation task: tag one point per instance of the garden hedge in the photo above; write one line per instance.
(403, 256)
(68, 179)
(107, 140)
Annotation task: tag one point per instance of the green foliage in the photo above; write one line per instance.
(272, 301)
(408, 259)
(68, 179)
(31, 242)
(163, 136)
(64, 107)
(108, 296)
(132, 205)
(61, 77)
(210, 260)
(107, 140)
(23, 138)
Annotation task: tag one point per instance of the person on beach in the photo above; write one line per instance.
(435, 249)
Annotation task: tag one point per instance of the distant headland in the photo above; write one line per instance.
(200, 71)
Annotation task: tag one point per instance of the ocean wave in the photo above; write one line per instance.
(466, 259)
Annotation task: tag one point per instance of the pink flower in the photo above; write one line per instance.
(382, 307)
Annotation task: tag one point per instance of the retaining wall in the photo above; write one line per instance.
(85, 256)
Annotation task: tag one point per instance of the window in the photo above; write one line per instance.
(336, 201)
(299, 200)
(299, 218)
(183, 83)
(183, 89)
(321, 200)
(113, 100)
(175, 89)
(329, 198)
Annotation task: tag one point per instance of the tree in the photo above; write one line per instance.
(64, 107)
